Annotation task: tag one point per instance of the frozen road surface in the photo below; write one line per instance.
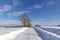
(34, 33)
(22, 34)
(29, 34)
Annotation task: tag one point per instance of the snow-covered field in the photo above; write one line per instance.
(12, 35)
(8, 30)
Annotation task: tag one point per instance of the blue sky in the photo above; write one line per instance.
(40, 11)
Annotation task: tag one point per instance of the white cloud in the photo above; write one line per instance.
(16, 2)
(9, 22)
(5, 8)
(17, 13)
(37, 23)
(0, 6)
(12, 21)
(37, 6)
(41, 19)
(50, 3)
(53, 16)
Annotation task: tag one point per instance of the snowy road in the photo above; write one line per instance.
(22, 34)
(33, 33)
(29, 34)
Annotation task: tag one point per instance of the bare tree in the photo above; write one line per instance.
(24, 18)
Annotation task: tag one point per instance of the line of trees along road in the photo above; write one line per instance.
(26, 21)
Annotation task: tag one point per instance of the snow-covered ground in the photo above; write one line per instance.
(50, 27)
(12, 35)
(48, 33)
(8, 30)
(34, 33)
(19, 34)
(29, 34)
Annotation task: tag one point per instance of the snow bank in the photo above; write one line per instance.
(51, 27)
(12, 35)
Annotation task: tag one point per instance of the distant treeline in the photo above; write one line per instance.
(11, 26)
(58, 25)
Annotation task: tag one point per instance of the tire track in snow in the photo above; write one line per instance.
(53, 34)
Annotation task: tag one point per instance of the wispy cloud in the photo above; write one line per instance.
(53, 16)
(50, 3)
(16, 2)
(37, 6)
(35, 23)
(17, 13)
(10, 22)
(5, 8)
(39, 21)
